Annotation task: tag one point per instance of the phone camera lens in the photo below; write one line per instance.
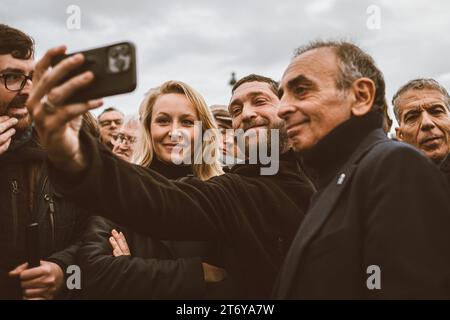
(113, 53)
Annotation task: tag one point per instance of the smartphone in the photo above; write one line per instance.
(114, 68)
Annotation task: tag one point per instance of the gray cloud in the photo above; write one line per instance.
(201, 42)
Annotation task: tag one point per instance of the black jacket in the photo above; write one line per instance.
(255, 216)
(380, 203)
(445, 168)
(23, 172)
(155, 269)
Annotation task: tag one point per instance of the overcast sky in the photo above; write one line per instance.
(202, 42)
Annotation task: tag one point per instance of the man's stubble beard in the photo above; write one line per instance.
(24, 121)
(23, 124)
(283, 142)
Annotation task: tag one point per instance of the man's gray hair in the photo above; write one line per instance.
(354, 64)
(419, 84)
(131, 120)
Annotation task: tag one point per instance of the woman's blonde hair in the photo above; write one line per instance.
(143, 154)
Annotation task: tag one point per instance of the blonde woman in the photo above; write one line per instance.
(168, 116)
(122, 264)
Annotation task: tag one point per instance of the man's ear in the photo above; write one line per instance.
(398, 133)
(364, 95)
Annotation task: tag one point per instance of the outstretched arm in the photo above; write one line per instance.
(226, 207)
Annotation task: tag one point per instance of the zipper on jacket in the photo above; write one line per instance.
(15, 217)
(51, 206)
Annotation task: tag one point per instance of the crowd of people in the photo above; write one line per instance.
(149, 207)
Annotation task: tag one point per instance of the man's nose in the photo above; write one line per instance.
(286, 109)
(427, 122)
(248, 113)
(27, 88)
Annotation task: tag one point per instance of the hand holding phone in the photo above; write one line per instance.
(51, 103)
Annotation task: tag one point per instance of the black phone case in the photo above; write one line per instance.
(109, 78)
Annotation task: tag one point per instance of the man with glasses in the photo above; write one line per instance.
(15, 82)
(26, 196)
(126, 139)
(110, 121)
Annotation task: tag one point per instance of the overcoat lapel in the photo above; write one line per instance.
(319, 212)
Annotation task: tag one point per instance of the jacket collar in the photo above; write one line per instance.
(286, 161)
(171, 171)
(445, 164)
(321, 208)
(324, 160)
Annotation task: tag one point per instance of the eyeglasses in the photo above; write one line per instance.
(120, 138)
(15, 81)
(117, 122)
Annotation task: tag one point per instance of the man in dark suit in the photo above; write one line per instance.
(378, 225)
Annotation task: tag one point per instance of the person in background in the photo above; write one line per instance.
(126, 139)
(110, 121)
(227, 146)
(422, 108)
